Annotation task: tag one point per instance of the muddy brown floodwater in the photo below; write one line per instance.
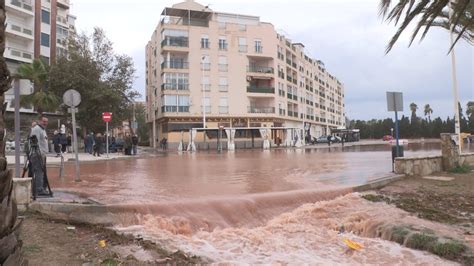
(246, 206)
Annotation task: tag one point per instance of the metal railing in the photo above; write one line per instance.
(223, 67)
(258, 49)
(260, 89)
(22, 4)
(260, 69)
(174, 86)
(205, 44)
(174, 109)
(175, 64)
(261, 110)
(19, 53)
(175, 41)
(205, 66)
(243, 48)
(223, 109)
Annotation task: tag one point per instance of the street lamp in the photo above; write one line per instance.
(457, 127)
(203, 58)
(391, 130)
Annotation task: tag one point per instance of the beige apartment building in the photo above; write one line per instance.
(238, 72)
(35, 29)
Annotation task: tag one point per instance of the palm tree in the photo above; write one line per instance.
(413, 108)
(41, 99)
(428, 111)
(443, 21)
(11, 246)
(431, 12)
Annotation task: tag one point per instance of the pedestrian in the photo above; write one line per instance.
(89, 142)
(98, 144)
(63, 139)
(69, 142)
(56, 143)
(134, 144)
(329, 140)
(127, 145)
(342, 140)
(39, 142)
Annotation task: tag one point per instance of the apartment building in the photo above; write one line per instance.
(238, 72)
(35, 29)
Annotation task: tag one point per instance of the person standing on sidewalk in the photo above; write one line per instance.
(98, 144)
(56, 143)
(38, 159)
(134, 144)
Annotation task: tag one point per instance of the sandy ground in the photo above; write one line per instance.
(47, 242)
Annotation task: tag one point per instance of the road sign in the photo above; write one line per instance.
(107, 117)
(69, 110)
(395, 101)
(72, 98)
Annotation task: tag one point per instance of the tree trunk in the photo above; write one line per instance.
(10, 245)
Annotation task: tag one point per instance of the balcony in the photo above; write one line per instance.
(259, 69)
(223, 67)
(19, 31)
(205, 66)
(255, 89)
(62, 20)
(223, 109)
(243, 48)
(258, 49)
(63, 3)
(175, 42)
(17, 54)
(175, 86)
(260, 110)
(174, 109)
(174, 65)
(21, 7)
(282, 112)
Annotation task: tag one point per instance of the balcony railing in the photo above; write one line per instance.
(261, 89)
(259, 69)
(223, 46)
(205, 44)
(22, 4)
(288, 61)
(243, 48)
(258, 49)
(175, 41)
(223, 67)
(205, 66)
(282, 112)
(223, 109)
(175, 65)
(25, 55)
(174, 86)
(174, 109)
(261, 110)
(20, 28)
(223, 88)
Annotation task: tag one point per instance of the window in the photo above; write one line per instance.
(207, 104)
(222, 43)
(206, 86)
(205, 62)
(45, 39)
(205, 42)
(223, 87)
(242, 45)
(223, 105)
(258, 46)
(45, 16)
(223, 63)
(45, 59)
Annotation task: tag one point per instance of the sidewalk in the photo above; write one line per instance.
(70, 157)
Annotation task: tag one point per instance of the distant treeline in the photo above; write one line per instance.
(415, 127)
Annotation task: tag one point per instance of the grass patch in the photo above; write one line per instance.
(421, 241)
(109, 262)
(33, 248)
(450, 250)
(374, 197)
(464, 169)
(399, 233)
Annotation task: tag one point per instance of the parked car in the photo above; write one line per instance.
(324, 139)
(387, 138)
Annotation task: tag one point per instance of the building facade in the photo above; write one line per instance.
(236, 71)
(35, 29)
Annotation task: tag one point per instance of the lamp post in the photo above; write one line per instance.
(391, 130)
(203, 58)
(457, 126)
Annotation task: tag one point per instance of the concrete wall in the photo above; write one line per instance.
(22, 192)
(418, 165)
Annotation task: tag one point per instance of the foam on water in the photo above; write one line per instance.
(309, 234)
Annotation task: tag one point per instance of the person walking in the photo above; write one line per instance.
(39, 138)
(89, 143)
(56, 143)
(134, 144)
(63, 139)
(329, 140)
(127, 145)
(98, 144)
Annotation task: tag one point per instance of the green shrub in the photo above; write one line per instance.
(450, 250)
(421, 241)
(461, 169)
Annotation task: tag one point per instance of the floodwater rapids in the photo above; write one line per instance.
(254, 207)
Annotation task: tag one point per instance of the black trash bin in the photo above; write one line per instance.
(394, 152)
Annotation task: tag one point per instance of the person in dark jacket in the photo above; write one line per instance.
(134, 144)
(127, 145)
(98, 144)
(57, 143)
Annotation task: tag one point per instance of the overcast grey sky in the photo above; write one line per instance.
(347, 35)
